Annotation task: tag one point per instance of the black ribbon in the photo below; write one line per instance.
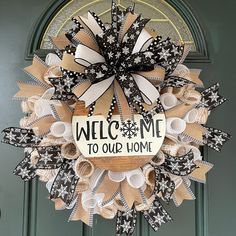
(181, 165)
(20, 137)
(147, 115)
(70, 34)
(215, 138)
(49, 157)
(25, 169)
(211, 97)
(163, 184)
(167, 54)
(156, 215)
(65, 183)
(175, 81)
(125, 222)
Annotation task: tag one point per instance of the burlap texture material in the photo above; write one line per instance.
(83, 167)
(42, 125)
(104, 102)
(60, 41)
(130, 194)
(80, 213)
(85, 38)
(199, 174)
(68, 63)
(195, 131)
(28, 90)
(178, 111)
(70, 151)
(182, 193)
(108, 187)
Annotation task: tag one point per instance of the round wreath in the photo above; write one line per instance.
(122, 68)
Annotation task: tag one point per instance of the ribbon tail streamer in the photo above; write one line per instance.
(125, 222)
(156, 215)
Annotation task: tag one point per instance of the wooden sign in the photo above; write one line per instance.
(95, 137)
(113, 161)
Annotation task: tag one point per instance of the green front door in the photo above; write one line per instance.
(25, 209)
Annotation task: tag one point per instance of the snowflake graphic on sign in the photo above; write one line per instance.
(129, 129)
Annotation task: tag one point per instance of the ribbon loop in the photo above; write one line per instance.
(181, 165)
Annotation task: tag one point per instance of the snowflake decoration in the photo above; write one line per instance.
(129, 129)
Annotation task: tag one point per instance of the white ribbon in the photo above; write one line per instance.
(191, 116)
(87, 56)
(52, 59)
(61, 129)
(96, 90)
(135, 178)
(91, 200)
(143, 41)
(116, 176)
(175, 125)
(148, 91)
(42, 105)
(168, 100)
(92, 24)
(97, 174)
(196, 152)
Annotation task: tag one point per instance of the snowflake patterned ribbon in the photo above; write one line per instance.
(115, 54)
(211, 97)
(63, 88)
(181, 165)
(125, 222)
(215, 138)
(65, 182)
(49, 157)
(25, 169)
(156, 215)
(175, 81)
(163, 184)
(20, 137)
(122, 65)
(148, 114)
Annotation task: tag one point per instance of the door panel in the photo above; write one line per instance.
(16, 20)
(25, 209)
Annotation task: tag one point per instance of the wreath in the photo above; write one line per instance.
(115, 121)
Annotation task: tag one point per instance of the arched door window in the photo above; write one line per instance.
(170, 18)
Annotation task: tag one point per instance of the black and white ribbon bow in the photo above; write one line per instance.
(63, 88)
(121, 56)
(175, 81)
(156, 215)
